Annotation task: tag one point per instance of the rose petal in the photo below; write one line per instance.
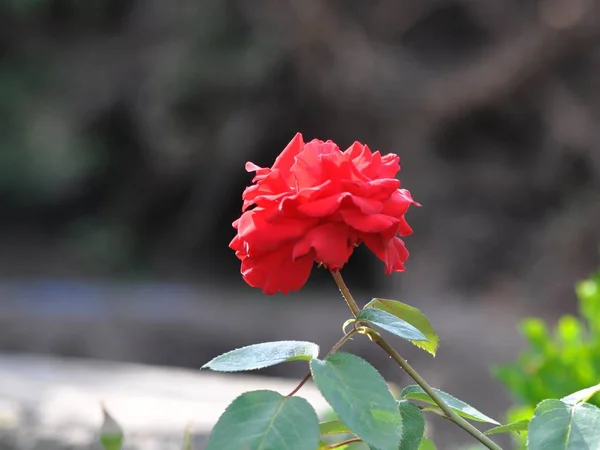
(367, 206)
(329, 243)
(273, 184)
(322, 207)
(390, 165)
(286, 158)
(368, 223)
(239, 246)
(392, 252)
(380, 189)
(403, 228)
(277, 271)
(307, 169)
(263, 234)
(358, 152)
(251, 167)
(398, 204)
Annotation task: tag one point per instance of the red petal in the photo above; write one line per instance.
(286, 158)
(392, 252)
(380, 189)
(358, 152)
(368, 223)
(261, 234)
(390, 165)
(367, 206)
(398, 203)
(322, 207)
(404, 228)
(329, 243)
(273, 184)
(308, 169)
(251, 167)
(277, 271)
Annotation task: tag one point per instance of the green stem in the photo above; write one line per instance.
(375, 337)
(337, 276)
(342, 341)
(449, 412)
(302, 383)
(334, 349)
(346, 442)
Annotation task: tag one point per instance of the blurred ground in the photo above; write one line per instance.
(125, 126)
(52, 404)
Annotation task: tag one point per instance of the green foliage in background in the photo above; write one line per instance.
(557, 363)
(42, 156)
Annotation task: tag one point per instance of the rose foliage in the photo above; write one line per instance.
(316, 204)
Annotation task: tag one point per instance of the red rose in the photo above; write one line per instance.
(318, 203)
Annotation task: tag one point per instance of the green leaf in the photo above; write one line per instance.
(570, 331)
(111, 442)
(413, 425)
(414, 392)
(558, 426)
(518, 426)
(333, 427)
(391, 324)
(111, 433)
(411, 315)
(588, 293)
(426, 444)
(581, 396)
(267, 354)
(536, 332)
(360, 397)
(266, 420)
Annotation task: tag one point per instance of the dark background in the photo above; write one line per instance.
(125, 126)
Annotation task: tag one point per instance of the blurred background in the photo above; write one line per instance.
(125, 126)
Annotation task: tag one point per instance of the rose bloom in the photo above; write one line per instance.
(316, 204)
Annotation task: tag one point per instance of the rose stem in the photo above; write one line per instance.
(450, 414)
(346, 442)
(334, 349)
(337, 276)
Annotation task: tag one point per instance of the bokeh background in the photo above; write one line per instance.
(125, 126)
